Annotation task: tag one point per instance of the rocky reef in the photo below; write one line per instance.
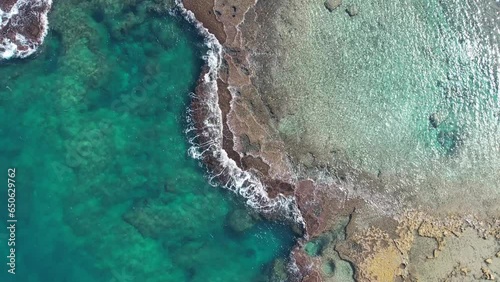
(350, 233)
(23, 27)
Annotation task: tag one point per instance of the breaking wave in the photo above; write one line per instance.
(23, 27)
(230, 176)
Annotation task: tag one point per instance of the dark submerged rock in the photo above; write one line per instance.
(240, 220)
(436, 119)
(278, 271)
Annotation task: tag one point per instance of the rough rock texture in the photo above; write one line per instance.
(379, 246)
(248, 139)
(332, 4)
(23, 26)
(352, 10)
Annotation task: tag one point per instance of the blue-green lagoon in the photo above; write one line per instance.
(94, 124)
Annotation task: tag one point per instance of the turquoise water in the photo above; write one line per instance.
(94, 125)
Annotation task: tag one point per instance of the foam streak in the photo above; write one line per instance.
(241, 182)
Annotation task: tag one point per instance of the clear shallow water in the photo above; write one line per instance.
(94, 125)
(407, 92)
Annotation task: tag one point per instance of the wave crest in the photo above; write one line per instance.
(205, 117)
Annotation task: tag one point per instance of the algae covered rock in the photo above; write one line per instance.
(240, 220)
(278, 271)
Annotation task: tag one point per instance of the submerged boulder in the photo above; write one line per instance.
(240, 220)
(450, 140)
(332, 4)
(436, 119)
(278, 271)
(352, 10)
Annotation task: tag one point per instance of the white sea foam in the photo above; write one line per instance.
(6, 16)
(22, 47)
(241, 182)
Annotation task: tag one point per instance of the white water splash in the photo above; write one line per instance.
(241, 182)
(22, 47)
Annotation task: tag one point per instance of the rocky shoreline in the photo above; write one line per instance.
(213, 141)
(346, 237)
(235, 78)
(346, 234)
(23, 27)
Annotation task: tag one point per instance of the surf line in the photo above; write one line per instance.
(207, 125)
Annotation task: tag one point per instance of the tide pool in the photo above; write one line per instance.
(94, 125)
